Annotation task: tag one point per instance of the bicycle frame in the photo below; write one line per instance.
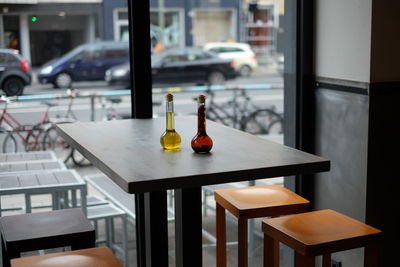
(11, 124)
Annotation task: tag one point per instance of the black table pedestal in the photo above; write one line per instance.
(188, 227)
(151, 229)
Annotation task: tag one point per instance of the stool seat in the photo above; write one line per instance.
(44, 230)
(260, 201)
(98, 257)
(251, 202)
(319, 233)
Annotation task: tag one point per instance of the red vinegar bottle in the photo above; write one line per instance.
(201, 143)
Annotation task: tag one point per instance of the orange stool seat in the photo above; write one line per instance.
(319, 233)
(252, 202)
(91, 257)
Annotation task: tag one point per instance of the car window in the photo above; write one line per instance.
(216, 50)
(175, 57)
(3, 58)
(7, 58)
(226, 49)
(110, 52)
(91, 54)
(197, 55)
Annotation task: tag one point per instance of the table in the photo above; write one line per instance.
(129, 152)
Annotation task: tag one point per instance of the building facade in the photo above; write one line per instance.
(184, 22)
(46, 29)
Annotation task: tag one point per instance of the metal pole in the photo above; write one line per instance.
(161, 15)
(92, 108)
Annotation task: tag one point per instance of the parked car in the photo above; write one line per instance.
(87, 62)
(241, 53)
(177, 66)
(15, 72)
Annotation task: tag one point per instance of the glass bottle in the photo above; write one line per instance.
(170, 139)
(201, 143)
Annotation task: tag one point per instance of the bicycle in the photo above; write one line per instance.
(241, 113)
(52, 140)
(41, 136)
(10, 125)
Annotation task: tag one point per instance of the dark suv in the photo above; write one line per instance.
(14, 72)
(87, 62)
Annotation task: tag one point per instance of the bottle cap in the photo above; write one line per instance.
(169, 97)
(202, 99)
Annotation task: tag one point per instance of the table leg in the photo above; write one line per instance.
(28, 204)
(83, 199)
(151, 229)
(188, 227)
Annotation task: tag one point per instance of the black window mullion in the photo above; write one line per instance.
(140, 58)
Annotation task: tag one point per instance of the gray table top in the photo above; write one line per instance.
(129, 152)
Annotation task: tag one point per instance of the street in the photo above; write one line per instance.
(31, 112)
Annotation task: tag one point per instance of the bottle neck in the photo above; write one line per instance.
(170, 115)
(201, 119)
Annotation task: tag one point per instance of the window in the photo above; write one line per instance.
(175, 57)
(116, 53)
(226, 49)
(197, 55)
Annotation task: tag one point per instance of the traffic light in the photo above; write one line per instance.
(34, 18)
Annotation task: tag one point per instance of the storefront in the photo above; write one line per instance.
(178, 23)
(45, 31)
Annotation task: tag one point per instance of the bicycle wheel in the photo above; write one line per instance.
(10, 143)
(78, 159)
(259, 122)
(53, 141)
(276, 127)
(33, 139)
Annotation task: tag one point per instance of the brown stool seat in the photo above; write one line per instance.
(319, 233)
(252, 202)
(91, 257)
(260, 201)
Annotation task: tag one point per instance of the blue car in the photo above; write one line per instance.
(87, 62)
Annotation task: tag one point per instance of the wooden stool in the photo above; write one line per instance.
(319, 233)
(44, 230)
(252, 202)
(98, 257)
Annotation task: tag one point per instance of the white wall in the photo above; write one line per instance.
(343, 39)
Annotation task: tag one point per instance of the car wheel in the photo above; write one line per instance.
(13, 86)
(216, 77)
(63, 80)
(245, 71)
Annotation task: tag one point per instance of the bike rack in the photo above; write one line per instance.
(127, 92)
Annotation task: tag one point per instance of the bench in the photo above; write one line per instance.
(54, 182)
(27, 156)
(29, 166)
(116, 195)
(109, 212)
